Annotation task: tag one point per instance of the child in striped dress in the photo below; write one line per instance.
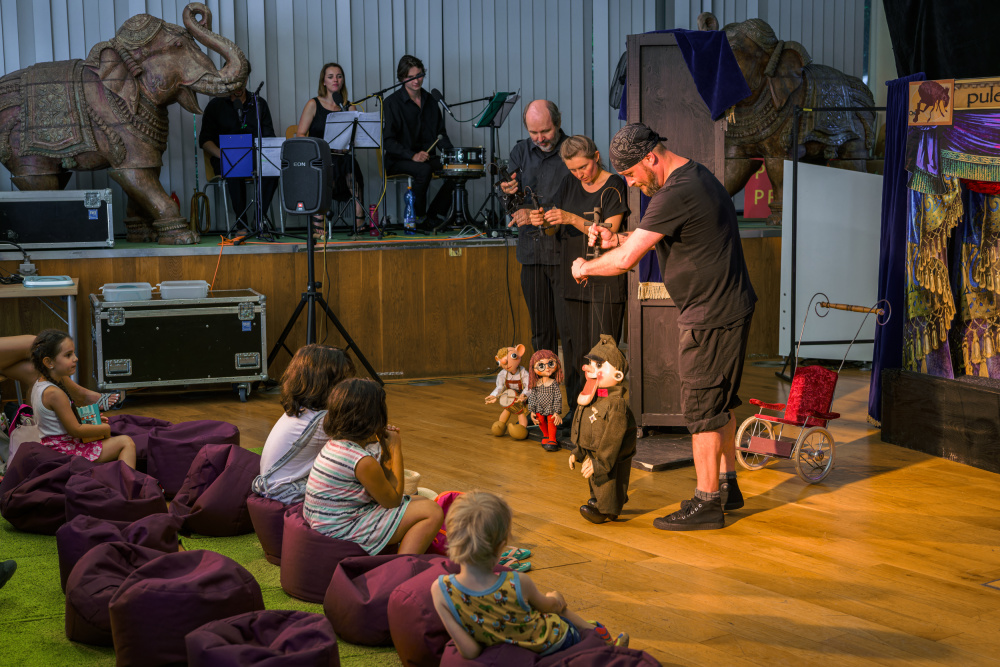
(480, 607)
(349, 494)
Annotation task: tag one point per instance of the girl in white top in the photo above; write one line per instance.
(54, 357)
(298, 435)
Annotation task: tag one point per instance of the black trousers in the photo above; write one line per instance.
(586, 321)
(540, 284)
(238, 195)
(422, 172)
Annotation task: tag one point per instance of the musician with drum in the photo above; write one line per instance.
(413, 125)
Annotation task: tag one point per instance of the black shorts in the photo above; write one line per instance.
(710, 363)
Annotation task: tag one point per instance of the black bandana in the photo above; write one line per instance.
(631, 144)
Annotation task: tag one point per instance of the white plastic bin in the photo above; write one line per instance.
(127, 291)
(183, 289)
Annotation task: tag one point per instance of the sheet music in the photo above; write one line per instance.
(340, 124)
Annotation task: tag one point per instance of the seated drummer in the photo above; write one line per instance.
(413, 123)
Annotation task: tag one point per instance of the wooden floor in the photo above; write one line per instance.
(889, 561)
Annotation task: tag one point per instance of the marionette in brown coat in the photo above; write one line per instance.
(604, 432)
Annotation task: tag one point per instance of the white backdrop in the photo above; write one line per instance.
(839, 225)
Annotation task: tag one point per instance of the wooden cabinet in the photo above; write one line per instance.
(662, 94)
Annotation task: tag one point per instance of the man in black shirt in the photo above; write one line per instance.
(236, 115)
(413, 123)
(692, 224)
(537, 170)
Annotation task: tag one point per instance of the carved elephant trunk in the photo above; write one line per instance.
(234, 74)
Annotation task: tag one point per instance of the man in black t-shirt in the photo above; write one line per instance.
(692, 224)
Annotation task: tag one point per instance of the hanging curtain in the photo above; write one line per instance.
(892, 258)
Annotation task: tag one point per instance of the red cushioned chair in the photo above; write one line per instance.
(592, 651)
(172, 449)
(417, 631)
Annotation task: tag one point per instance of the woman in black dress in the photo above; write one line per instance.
(597, 307)
(331, 97)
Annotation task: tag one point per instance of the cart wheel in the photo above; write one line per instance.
(244, 392)
(750, 428)
(813, 454)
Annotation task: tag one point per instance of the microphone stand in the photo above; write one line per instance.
(263, 231)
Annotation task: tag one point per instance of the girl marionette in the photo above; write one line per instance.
(544, 396)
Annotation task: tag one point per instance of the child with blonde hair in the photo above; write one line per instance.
(480, 607)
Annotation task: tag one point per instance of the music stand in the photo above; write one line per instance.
(496, 113)
(349, 130)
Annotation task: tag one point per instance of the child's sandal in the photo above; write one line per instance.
(112, 400)
(516, 553)
(516, 565)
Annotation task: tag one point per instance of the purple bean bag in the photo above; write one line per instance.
(169, 597)
(29, 456)
(213, 498)
(173, 448)
(138, 429)
(266, 639)
(35, 499)
(94, 579)
(83, 533)
(592, 651)
(113, 491)
(417, 631)
(310, 558)
(268, 518)
(357, 599)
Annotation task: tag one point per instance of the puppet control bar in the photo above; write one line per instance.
(853, 309)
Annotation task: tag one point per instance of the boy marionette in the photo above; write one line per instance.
(604, 432)
(512, 385)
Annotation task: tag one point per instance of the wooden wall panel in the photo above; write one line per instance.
(412, 312)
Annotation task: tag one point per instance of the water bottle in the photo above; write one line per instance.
(372, 227)
(410, 216)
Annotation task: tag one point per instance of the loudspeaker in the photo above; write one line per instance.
(305, 175)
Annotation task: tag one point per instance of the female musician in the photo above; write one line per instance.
(599, 305)
(331, 97)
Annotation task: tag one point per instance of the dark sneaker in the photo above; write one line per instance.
(6, 571)
(730, 495)
(694, 514)
(551, 446)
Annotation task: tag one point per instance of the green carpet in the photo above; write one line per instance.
(32, 605)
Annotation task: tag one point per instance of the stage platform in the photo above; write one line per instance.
(417, 306)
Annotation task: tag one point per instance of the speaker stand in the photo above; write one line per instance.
(308, 301)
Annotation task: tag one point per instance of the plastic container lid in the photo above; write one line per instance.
(127, 291)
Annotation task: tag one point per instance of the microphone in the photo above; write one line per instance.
(238, 106)
(436, 94)
(257, 92)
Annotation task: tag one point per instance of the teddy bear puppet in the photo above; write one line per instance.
(511, 392)
(604, 432)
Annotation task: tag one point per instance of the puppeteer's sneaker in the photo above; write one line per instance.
(694, 514)
(730, 495)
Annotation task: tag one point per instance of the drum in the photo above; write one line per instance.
(463, 159)
(507, 398)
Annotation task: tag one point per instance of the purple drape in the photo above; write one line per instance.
(888, 351)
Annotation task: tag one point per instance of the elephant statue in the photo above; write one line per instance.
(781, 76)
(110, 111)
